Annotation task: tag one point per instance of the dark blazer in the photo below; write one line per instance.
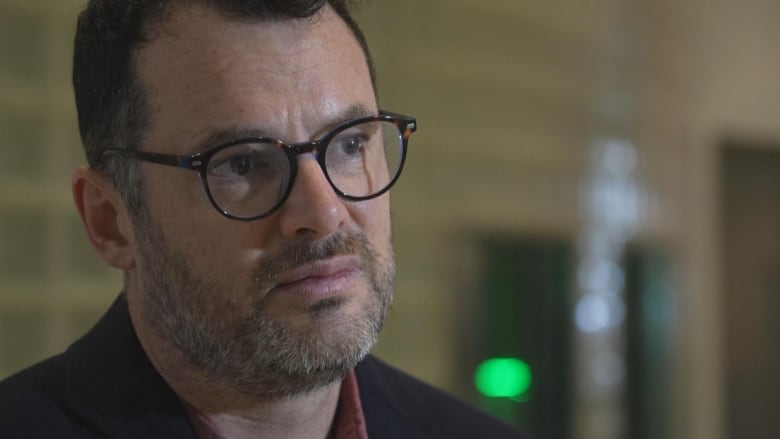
(104, 386)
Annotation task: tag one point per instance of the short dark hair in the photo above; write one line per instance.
(110, 100)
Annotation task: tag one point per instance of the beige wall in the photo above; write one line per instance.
(542, 81)
(509, 96)
(52, 286)
(725, 57)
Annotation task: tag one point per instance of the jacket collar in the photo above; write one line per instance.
(393, 407)
(114, 388)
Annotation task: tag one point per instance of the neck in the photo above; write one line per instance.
(220, 412)
(307, 416)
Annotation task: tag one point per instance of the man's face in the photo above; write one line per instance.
(275, 306)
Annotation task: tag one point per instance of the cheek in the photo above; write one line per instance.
(373, 219)
(194, 228)
(174, 192)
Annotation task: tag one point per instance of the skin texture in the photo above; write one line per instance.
(252, 323)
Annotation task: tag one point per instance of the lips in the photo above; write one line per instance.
(320, 279)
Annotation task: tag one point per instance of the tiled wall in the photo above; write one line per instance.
(52, 286)
(509, 97)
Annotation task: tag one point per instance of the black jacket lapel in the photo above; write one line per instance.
(393, 408)
(115, 390)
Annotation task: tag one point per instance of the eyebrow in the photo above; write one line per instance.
(223, 135)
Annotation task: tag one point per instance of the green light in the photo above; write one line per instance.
(503, 378)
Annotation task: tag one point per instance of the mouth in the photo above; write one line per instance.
(319, 280)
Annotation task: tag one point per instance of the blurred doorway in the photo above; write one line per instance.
(521, 311)
(751, 270)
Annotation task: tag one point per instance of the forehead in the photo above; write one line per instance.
(203, 72)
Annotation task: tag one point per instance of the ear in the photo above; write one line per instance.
(105, 218)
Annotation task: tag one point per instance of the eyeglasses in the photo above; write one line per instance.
(251, 177)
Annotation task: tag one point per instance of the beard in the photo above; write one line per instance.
(244, 349)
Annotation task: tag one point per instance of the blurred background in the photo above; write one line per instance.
(587, 228)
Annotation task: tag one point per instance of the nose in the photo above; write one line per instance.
(312, 210)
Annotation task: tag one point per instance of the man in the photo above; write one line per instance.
(238, 176)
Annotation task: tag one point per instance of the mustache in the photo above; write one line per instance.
(298, 253)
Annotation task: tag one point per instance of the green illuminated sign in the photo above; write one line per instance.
(503, 378)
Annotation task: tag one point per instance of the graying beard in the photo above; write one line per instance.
(224, 355)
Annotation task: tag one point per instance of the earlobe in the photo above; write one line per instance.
(105, 218)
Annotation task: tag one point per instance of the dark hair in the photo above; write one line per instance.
(110, 100)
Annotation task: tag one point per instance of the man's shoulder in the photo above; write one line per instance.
(395, 401)
(32, 403)
(102, 386)
(42, 383)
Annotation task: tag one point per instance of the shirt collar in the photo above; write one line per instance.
(349, 422)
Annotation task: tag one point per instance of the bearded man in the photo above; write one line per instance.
(239, 169)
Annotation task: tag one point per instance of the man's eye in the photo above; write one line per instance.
(235, 166)
(240, 165)
(351, 145)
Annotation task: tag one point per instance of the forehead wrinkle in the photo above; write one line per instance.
(219, 34)
(219, 136)
(216, 62)
(233, 70)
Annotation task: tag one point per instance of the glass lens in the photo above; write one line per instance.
(248, 179)
(363, 159)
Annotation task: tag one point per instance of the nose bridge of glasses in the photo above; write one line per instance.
(313, 146)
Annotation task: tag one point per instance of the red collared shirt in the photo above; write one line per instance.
(349, 422)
